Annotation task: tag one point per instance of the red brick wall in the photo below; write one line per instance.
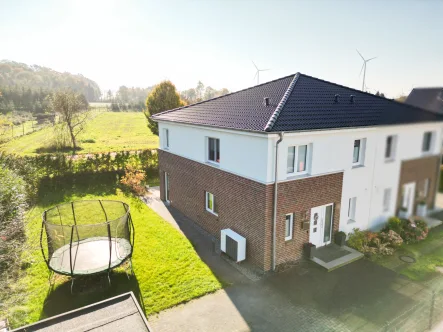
(299, 197)
(241, 202)
(245, 206)
(417, 170)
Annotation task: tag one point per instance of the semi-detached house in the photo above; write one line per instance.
(294, 160)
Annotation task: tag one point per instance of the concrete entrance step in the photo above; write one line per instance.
(332, 256)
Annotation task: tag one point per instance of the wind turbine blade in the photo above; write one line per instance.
(361, 56)
(255, 75)
(362, 68)
(264, 69)
(254, 65)
(371, 59)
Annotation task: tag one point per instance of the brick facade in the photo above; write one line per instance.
(241, 202)
(417, 170)
(245, 206)
(299, 197)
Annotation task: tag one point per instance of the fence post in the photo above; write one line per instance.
(431, 313)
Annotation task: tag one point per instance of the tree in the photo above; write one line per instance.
(164, 97)
(71, 107)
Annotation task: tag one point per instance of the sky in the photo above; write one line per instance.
(140, 43)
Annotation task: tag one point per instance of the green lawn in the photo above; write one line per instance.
(427, 253)
(167, 269)
(110, 131)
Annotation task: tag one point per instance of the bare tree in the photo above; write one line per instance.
(72, 111)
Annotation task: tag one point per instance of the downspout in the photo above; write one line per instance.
(274, 219)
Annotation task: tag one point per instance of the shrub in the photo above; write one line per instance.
(372, 243)
(134, 178)
(409, 230)
(394, 224)
(88, 140)
(392, 238)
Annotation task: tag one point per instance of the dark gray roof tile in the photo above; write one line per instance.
(306, 104)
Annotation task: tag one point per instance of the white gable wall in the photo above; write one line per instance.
(241, 154)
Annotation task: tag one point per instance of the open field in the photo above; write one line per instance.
(167, 269)
(106, 132)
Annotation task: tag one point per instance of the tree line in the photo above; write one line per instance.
(35, 77)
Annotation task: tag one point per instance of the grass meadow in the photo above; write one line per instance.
(105, 132)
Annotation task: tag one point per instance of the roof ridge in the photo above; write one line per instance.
(281, 104)
(231, 93)
(370, 94)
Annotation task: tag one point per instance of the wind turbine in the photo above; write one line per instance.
(257, 74)
(365, 61)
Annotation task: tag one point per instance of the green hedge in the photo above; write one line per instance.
(52, 165)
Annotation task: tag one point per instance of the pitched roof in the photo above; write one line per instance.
(427, 98)
(297, 102)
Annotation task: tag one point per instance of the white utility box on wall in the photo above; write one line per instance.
(233, 244)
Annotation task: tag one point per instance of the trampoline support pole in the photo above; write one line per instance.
(110, 252)
(72, 285)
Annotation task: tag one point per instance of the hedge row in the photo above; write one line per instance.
(51, 165)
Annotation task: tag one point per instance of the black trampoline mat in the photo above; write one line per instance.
(90, 256)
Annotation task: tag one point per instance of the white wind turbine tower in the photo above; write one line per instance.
(257, 74)
(363, 68)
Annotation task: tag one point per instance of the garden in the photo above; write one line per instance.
(405, 246)
(167, 270)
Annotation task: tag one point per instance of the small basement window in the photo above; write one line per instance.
(289, 226)
(213, 150)
(211, 205)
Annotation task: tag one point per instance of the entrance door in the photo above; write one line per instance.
(321, 225)
(166, 187)
(408, 197)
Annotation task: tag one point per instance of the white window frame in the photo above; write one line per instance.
(352, 208)
(291, 226)
(361, 152)
(431, 142)
(387, 195)
(215, 151)
(391, 157)
(207, 195)
(307, 162)
(165, 138)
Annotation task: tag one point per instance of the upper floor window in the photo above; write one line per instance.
(358, 153)
(166, 138)
(391, 142)
(214, 149)
(289, 226)
(427, 141)
(297, 159)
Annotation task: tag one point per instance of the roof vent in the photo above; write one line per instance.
(337, 98)
(266, 101)
(352, 99)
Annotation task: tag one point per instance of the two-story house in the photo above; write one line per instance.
(294, 160)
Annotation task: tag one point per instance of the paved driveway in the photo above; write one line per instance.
(360, 297)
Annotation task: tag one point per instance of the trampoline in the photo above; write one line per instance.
(87, 237)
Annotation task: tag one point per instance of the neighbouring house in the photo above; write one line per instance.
(119, 313)
(428, 98)
(338, 159)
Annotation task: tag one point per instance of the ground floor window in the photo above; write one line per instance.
(166, 186)
(211, 204)
(352, 208)
(289, 225)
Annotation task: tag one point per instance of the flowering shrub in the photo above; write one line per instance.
(410, 230)
(134, 179)
(372, 243)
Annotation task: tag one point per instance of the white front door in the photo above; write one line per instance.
(408, 197)
(321, 225)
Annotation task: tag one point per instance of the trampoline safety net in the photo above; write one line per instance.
(87, 237)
